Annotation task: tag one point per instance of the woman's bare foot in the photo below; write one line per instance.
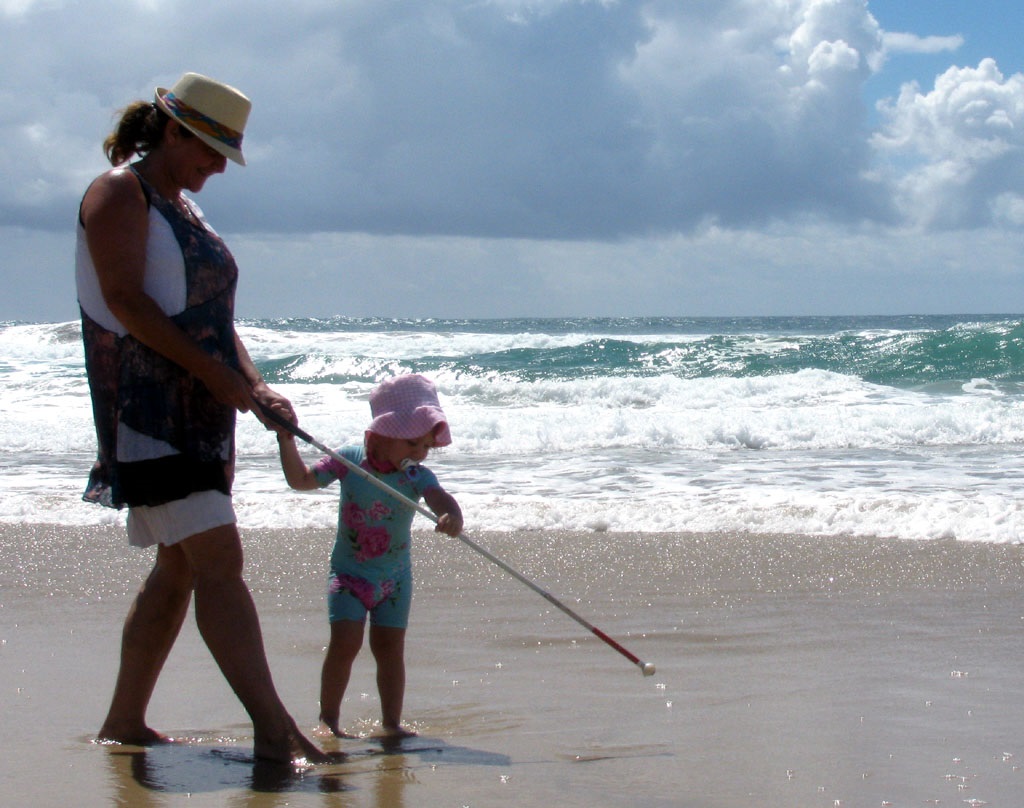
(133, 736)
(289, 748)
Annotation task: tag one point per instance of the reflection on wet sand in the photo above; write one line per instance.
(142, 777)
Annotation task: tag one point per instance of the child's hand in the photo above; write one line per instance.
(449, 514)
(449, 523)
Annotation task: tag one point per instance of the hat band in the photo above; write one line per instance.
(208, 126)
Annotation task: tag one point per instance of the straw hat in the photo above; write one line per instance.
(215, 113)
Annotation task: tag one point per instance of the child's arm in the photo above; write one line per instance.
(443, 504)
(296, 472)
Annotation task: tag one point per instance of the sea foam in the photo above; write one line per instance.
(797, 426)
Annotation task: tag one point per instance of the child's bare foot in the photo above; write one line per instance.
(330, 726)
(324, 731)
(397, 733)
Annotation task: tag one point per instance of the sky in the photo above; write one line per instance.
(546, 158)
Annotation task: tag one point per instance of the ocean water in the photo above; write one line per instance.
(902, 427)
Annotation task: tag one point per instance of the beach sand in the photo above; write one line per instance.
(790, 672)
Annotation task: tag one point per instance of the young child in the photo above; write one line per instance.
(370, 565)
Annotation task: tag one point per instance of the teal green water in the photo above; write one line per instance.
(894, 351)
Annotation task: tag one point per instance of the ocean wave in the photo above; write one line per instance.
(907, 427)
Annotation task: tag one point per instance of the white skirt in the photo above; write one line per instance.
(174, 521)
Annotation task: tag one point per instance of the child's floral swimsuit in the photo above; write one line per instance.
(371, 566)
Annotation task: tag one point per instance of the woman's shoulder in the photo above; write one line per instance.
(117, 187)
(122, 178)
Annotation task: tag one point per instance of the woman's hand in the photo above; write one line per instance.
(228, 386)
(275, 402)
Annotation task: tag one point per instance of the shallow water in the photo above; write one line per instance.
(791, 672)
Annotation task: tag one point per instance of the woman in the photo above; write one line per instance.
(167, 373)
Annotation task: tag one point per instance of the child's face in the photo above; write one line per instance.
(395, 450)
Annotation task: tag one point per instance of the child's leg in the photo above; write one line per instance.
(388, 647)
(346, 640)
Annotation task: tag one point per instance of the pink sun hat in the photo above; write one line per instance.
(407, 407)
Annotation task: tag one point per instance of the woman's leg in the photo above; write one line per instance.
(388, 647)
(346, 640)
(229, 625)
(152, 625)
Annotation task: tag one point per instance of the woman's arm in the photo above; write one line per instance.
(259, 389)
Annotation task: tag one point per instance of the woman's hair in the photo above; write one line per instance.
(139, 131)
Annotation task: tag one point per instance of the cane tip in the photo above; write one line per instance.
(648, 668)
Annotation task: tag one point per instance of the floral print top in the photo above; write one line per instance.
(371, 550)
(161, 434)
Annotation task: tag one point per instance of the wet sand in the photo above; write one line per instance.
(790, 672)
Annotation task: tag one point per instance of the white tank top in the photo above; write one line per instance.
(164, 279)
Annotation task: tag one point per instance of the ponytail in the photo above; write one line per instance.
(139, 131)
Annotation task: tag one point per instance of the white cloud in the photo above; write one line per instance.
(793, 269)
(828, 56)
(1009, 208)
(912, 43)
(754, 111)
(843, 27)
(633, 152)
(964, 139)
(16, 8)
(579, 119)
